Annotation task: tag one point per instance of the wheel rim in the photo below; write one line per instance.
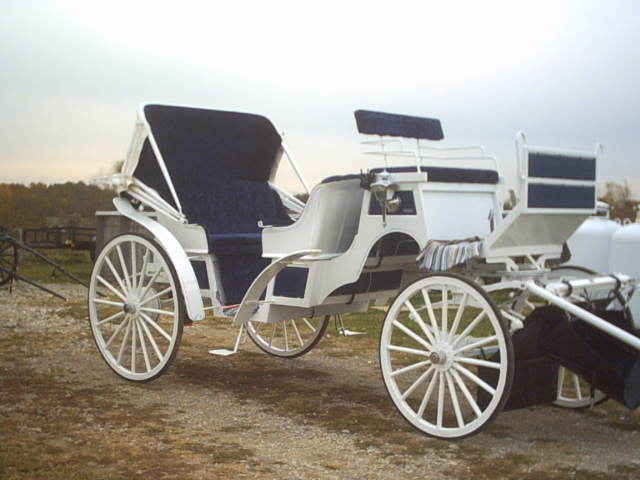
(573, 391)
(446, 359)
(134, 308)
(288, 338)
(8, 258)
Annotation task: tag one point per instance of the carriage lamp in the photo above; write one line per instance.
(384, 192)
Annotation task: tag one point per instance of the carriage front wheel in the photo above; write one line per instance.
(446, 356)
(136, 308)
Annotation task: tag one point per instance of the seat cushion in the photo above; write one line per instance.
(235, 243)
(436, 174)
(229, 211)
(451, 174)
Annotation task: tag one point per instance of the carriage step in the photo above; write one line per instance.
(343, 331)
(225, 352)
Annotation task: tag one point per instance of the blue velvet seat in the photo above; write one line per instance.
(220, 164)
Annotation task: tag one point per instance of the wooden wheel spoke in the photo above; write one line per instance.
(454, 400)
(134, 339)
(311, 327)
(458, 317)
(430, 313)
(297, 332)
(410, 368)
(273, 333)
(286, 338)
(124, 340)
(111, 318)
(109, 302)
(157, 295)
(144, 347)
(125, 271)
(134, 264)
(157, 327)
(111, 287)
(151, 340)
(416, 383)
(465, 391)
(413, 313)
(474, 323)
(115, 274)
(475, 379)
(113, 336)
(157, 311)
(413, 335)
(478, 362)
(480, 343)
(152, 280)
(427, 395)
(445, 312)
(440, 411)
(413, 351)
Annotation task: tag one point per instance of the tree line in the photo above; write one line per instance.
(29, 206)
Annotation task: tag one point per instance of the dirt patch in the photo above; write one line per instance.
(64, 414)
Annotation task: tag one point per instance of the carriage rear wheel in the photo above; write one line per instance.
(8, 257)
(446, 356)
(288, 338)
(136, 308)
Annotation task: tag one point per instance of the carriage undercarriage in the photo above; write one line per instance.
(477, 321)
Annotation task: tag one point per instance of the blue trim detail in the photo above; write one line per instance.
(544, 165)
(291, 282)
(200, 269)
(436, 174)
(371, 282)
(542, 195)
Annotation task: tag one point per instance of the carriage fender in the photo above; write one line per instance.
(175, 251)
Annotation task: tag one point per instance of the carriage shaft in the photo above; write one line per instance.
(583, 314)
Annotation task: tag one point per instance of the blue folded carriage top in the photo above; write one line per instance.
(220, 164)
(199, 145)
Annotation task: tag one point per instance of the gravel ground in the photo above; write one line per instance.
(64, 414)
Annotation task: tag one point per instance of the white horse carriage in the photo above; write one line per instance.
(477, 320)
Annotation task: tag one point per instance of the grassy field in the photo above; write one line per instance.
(77, 262)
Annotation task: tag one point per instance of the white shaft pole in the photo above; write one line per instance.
(588, 317)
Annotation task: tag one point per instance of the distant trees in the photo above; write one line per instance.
(618, 196)
(24, 206)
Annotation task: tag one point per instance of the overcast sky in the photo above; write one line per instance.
(74, 72)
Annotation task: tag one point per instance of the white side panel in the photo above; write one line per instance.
(329, 222)
(175, 251)
(192, 237)
(451, 215)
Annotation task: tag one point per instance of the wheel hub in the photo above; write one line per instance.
(437, 358)
(441, 357)
(130, 308)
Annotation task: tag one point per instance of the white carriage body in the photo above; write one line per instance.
(201, 182)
